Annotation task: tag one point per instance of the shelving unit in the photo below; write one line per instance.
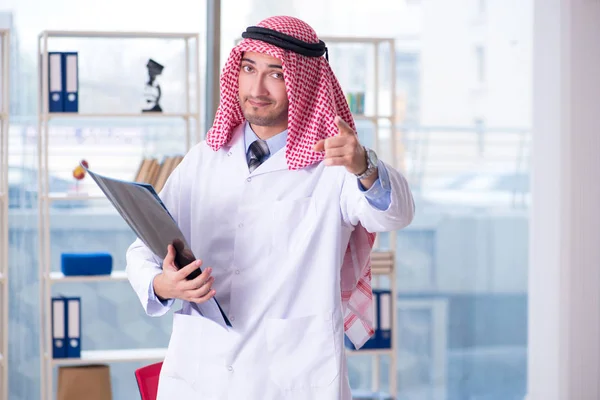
(4, 124)
(380, 109)
(48, 277)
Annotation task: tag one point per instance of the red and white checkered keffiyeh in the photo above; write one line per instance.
(315, 98)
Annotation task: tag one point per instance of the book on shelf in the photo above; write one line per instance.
(156, 173)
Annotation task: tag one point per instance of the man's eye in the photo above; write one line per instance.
(247, 68)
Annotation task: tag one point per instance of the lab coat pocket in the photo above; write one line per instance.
(294, 221)
(302, 352)
(196, 355)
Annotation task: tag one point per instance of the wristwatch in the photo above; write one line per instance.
(372, 160)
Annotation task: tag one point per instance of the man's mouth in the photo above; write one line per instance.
(258, 103)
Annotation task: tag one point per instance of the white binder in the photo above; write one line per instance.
(59, 322)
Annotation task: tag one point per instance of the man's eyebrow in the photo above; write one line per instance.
(254, 63)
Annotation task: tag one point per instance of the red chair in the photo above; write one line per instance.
(147, 380)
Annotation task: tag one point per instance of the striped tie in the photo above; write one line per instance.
(258, 151)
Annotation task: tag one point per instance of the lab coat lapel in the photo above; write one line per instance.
(236, 150)
(274, 163)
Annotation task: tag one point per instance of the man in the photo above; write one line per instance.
(280, 204)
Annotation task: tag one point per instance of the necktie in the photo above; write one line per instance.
(257, 153)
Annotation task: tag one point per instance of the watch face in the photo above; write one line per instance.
(372, 157)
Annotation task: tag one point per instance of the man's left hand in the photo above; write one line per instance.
(344, 149)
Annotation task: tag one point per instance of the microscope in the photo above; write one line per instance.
(152, 90)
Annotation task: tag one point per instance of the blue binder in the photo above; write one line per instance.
(70, 62)
(385, 309)
(59, 328)
(56, 82)
(73, 310)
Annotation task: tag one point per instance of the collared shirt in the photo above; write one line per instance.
(378, 195)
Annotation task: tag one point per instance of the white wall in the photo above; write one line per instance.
(564, 277)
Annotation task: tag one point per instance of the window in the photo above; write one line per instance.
(408, 86)
(461, 268)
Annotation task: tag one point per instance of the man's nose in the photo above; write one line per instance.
(258, 87)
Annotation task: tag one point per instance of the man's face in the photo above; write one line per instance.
(262, 93)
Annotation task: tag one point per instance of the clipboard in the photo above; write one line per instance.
(144, 211)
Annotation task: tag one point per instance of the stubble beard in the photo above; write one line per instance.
(270, 119)
(267, 120)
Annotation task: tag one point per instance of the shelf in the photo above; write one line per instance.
(369, 352)
(361, 117)
(107, 356)
(381, 271)
(58, 277)
(134, 355)
(360, 40)
(56, 115)
(62, 196)
(117, 35)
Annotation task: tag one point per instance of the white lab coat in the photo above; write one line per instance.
(275, 240)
